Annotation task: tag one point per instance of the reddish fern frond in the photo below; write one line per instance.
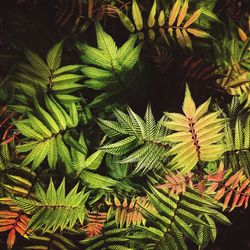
(130, 212)
(177, 183)
(234, 191)
(163, 60)
(14, 220)
(95, 223)
(6, 133)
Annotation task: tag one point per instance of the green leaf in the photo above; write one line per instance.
(94, 160)
(54, 56)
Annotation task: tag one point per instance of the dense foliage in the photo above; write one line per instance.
(128, 129)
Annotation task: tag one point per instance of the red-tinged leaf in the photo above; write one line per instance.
(244, 185)
(132, 203)
(190, 183)
(246, 202)
(232, 179)
(11, 239)
(236, 198)
(178, 189)
(129, 218)
(6, 228)
(167, 186)
(172, 191)
(22, 225)
(216, 177)
(170, 179)
(125, 202)
(134, 218)
(183, 187)
(24, 219)
(212, 188)
(247, 191)
(176, 178)
(237, 180)
(8, 214)
(242, 199)
(220, 193)
(227, 199)
(5, 222)
(139, 218)
(21, 231)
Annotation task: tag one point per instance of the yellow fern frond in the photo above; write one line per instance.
(198, 135)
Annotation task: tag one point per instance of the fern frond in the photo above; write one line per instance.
(43, 130)
(238, 144)
(54, 209)
(193, 141)
(38, 75)
(142, 143)
(107, 67)
(177, 216)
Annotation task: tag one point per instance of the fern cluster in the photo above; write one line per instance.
(81, 167)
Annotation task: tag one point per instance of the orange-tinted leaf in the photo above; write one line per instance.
(139, 218)
(241, 201)
(220, 193)
(22, 225)
(216, 177)
(129, 218)
(21, 231)
(236, 198)
(231, 180)
(6, 228)
(246, 201)
(11, 239)
(24, 219)
(134, 218)
(212, 188)
(247, 191)
(244, 185)
(125, 202)
(237, 180)
(8, 214)
(5, 222)
(242, 34)
(227, 199)
(193, 18)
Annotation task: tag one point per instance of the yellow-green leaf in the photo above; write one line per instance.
(137, 17)
(126, 22)
(174, 12)
(151, 17)
(161, 18)
(198, 33)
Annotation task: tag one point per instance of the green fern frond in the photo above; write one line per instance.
(46, 76)
(43, 129)
(237, 136)
(141, 145)
(54, 209)
(176, 218)
(108, 67)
